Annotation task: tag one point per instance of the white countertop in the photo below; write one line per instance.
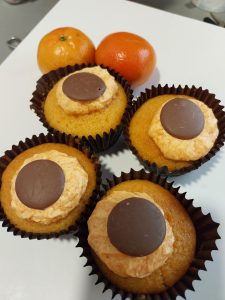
(188, 52)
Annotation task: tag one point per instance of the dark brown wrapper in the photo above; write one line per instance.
(206, 234)
(198, 93)
(45, 84)
(35, 141)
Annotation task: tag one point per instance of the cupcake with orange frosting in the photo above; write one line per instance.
(45, 187)
(84, 101)
(143, 239)
(175, 130)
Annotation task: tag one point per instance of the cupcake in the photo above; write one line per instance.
(46, 183)
(144, 240)
(175, 130)
(87, 101)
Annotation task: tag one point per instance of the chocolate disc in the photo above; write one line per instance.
(83, 86)
(182, 119)
(136, 227)
(40, 183)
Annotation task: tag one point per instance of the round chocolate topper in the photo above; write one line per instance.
(136, 227)
(83, 86)
(40, 183)
(182, 119)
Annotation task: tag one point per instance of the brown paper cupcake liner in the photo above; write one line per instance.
(35, 141)
(198, 93)
(45, 84)
(206, 234)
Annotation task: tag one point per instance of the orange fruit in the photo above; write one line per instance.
(129, 54)
(64, 46)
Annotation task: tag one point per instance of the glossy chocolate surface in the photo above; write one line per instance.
(40, 183)
(136, 227)
(182, 119)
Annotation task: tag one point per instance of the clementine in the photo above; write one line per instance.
(129, 54)
(64, 46)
